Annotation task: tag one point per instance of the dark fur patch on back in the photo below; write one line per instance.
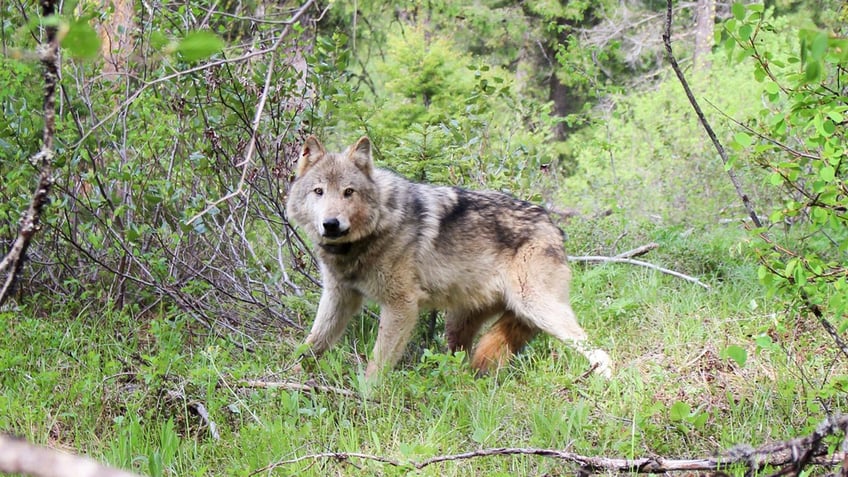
(508, 221)
(510, 236)
(417, 205)
(459, 209)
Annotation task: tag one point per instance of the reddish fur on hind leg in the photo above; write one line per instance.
(505, 338)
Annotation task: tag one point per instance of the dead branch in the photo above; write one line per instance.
(201, 411)
(721, 152)
(30, 223)
(616, 259)
(20, 457)
(794, 454)
(638, 251)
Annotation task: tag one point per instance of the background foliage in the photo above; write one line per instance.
(166, 273)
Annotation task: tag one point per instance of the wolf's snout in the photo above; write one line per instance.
(333, 228)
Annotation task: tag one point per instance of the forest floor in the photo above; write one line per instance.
(697, 372)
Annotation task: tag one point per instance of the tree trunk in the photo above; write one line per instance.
(705, 24)
(116, 37)
(565, 103)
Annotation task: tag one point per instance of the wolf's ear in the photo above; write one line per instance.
(310, 154)
(360, 154)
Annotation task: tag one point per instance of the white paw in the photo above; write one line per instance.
(601, 361)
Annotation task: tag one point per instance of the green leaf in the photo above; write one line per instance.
(835, 116)
(743, 138)
(81, 40)
(158, 40)
(790, 267)
(812, 71)
(828, 127)
(819, 46)
(745, 32)
(764, 342)
(736, 353)
(827, 173)
(771, 88)
(679, 411)
(198, 45)
(738, 10)
(700, 420)
(762, 271)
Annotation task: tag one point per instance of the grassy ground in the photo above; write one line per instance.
(697, 371)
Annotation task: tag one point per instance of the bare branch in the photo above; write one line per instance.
(30, 224)
(201, 411)
(721, 152)
(598, 258)
(20, 457)
(248, 155)
(794, 454)
(638, 251)
(763, 137)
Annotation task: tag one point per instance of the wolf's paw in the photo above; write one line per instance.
(600, 360)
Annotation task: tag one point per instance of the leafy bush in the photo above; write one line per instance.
(799, 137)
(159, 193)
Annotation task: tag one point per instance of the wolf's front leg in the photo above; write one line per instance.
(396, 324)
(337, 306)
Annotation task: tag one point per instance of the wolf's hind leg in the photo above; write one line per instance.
(503, 340)
(557, 319)
(538, 293)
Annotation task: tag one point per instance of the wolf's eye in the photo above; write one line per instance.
(348, 192)
(318, 191)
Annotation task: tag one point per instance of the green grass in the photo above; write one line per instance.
(97, 381)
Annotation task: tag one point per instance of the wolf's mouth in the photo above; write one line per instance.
(334, 234)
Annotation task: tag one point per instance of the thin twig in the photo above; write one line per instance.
(340, 456)
(638, 251)
(787, 453)
(721, 152)
(260, 108)
(762, 136)
(201, 411)
(599, 258)
(204, 416)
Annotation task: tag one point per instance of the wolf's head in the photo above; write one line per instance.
(334, 197)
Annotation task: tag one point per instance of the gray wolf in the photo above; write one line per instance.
(478, 256)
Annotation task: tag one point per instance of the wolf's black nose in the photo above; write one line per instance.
(331, 227)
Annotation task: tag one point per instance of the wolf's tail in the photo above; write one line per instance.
(504, 339)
